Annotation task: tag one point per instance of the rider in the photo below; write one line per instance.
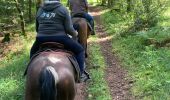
(53, 24)
(79, 8)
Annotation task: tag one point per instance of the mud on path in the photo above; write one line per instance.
(116, 76)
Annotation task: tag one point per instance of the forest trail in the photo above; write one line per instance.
(116, 77)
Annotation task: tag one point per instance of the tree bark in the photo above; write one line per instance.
(21, 17)
(30, 11)
(6, 38)
(38, 4)
(103, 2)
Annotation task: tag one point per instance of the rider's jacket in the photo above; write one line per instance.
(53, 19)
(78, 6)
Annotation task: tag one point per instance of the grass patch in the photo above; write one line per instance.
(11, 73)
(98, 88)
(149, 66)
(12, 80)
(116, 22)
(12, 67)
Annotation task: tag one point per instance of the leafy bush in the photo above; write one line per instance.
(148, 65)
(147, 12)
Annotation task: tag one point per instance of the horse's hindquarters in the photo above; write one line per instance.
(66, 86)
(59, 77)
(83, 31)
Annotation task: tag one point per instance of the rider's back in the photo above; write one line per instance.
(78, 6)
(52, 19)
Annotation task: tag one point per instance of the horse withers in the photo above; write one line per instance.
(51, 75)
(83, 28)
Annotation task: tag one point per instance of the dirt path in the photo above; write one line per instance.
(116, 76)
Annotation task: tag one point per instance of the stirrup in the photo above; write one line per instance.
(84, 77)
(93, 32)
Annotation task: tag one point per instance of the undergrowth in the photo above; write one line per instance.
(12, 68)
(148, 65)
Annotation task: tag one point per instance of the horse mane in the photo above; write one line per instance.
(47, 83)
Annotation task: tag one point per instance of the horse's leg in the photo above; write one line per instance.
(31, 91)
(66, 86)
(88, 34)
(83, 35)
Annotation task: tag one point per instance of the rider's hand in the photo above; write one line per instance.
(76, 33)
(69, 36)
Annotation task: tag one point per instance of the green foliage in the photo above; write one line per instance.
(142, 14)
(11, 72)
(147, 12)
(12, 68)
(119, 23)
(7, 12)
(10, 22)
(148, 65)
(12, 80)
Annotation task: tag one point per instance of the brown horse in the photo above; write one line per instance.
(51, 76)
(83, 31)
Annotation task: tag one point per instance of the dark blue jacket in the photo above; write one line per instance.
(53, 19)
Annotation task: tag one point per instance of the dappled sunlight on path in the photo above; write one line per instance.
(98, 40)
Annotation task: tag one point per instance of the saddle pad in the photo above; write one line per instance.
(71, 58)
(76, 67)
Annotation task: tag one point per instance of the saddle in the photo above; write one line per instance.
(51, 45)
(80, 15)
(55, 47)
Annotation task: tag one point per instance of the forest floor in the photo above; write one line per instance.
(117, 77)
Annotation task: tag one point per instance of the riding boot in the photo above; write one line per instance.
(81, 61)
(92, 25)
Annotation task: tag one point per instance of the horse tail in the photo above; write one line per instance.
(47, 82)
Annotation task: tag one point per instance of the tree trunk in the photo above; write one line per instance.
(103, 2)
(38, 4)
(6, 38)
(21, 17)
(30, 11)
(110, 3)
